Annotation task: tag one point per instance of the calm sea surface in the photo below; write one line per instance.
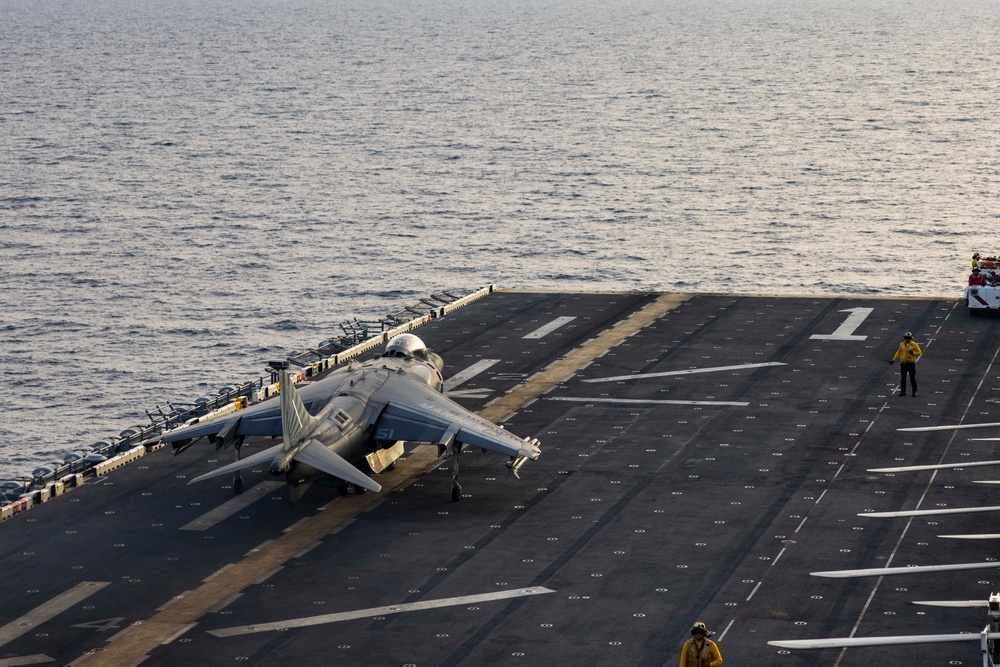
(190, 188)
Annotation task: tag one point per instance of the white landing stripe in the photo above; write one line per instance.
(378, 611)
(689, 371)
(541, 332)
(635, 401)
(469, 373)
(955, 510)
(919, 569)
(37, 659)
(972, 536)
(49, 610)
(856, 642)
(233, 505)
(959, 427)
(940, 466)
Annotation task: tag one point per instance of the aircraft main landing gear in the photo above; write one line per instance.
(456, 488)
(238, 477)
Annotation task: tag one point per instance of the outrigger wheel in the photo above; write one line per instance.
(238, 477)
(456, 493)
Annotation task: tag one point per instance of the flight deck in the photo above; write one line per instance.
(701, 455)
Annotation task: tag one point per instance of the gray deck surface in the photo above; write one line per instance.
(639, 518)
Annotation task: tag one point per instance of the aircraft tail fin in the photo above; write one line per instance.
(296, 427)
(296, 422)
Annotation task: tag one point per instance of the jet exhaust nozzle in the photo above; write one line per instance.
(281, 462)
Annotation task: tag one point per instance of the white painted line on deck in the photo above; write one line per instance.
(918, 569)
(723, 635)
(543, 331)
(378, 611)
(225, 603)
(689, 371)
(260, 546)
(217, 573)
(176, 598)
(940, 466)
(635, 401)
(17, 661)
(955, 510)
(179, 633)
(232, 506)
(956, 427)
(469, 373)
(297, 524)
(484, 392)
(49, 610)
(846, 330)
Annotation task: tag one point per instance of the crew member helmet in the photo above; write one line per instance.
(908, 335)
(699, 628)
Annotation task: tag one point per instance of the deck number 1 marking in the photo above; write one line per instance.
(846, 330)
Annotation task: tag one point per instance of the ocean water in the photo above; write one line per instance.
(188, 189)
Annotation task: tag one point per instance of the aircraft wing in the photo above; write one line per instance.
(262, 419)
(426, 416)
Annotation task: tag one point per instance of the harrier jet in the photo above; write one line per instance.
(355, 420)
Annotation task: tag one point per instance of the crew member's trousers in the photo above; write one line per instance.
(911, 370)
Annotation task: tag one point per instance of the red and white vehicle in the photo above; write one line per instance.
(985, 296)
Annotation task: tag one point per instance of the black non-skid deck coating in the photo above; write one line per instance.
(641, 517)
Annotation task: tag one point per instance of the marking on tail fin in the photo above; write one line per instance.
(296, 422)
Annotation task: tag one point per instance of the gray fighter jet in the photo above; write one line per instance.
(360, 415)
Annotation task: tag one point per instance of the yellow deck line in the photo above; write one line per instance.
(133, 645)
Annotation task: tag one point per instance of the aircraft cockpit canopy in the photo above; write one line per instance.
(406, 346)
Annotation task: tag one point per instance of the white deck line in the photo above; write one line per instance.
(18, 661)
(689, 371)
(232, 506)
(378, 611)
(545, 330)
(469, 373)
(636, 401)
(49, 610)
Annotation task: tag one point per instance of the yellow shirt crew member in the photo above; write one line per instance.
(700, 651)
(907, 353)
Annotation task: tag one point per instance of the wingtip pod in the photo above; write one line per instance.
(530, 452)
